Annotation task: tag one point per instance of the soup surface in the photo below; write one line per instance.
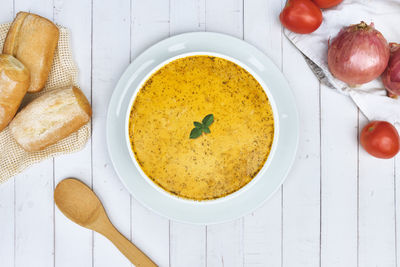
(214, 164)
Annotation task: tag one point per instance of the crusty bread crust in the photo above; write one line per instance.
(50, 118)
(82, 101)
(14, 83)
(33, 40)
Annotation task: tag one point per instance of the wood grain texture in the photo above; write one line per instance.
(34, 221)
(110, 50)
(225, 16)
(147, 30)
(188, 245)
(301, 191)
(150, 231)
(397, 206)
(338, 207)
(34, 207)
(73, 244)
(187, 16)
(263, 227)
(7, 207)
(7, 229)
(130, 251)
(376, 210)
(339, 192)
(225, 244)
(80, 204)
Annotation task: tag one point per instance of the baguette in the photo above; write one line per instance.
(33, 39)
(14, 83)
(50, 118)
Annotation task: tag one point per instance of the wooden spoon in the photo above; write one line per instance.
(81, 205)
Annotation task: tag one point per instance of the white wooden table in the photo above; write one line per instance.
(337, 207)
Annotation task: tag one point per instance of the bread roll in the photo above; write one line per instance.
(32, 40)
(50, 118)
(14, 82)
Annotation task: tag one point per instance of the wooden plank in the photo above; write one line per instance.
(7, 207)
(263, 228)
(187, 242)
(339, 161)
(41, 7)
(149, 231)
(397, 206)
(262, 29)
(225, 16)
(73, 244)
(377, 234)
(301, 191)
(111, 50)
(225, 241)
(34, 220)
(225, 244)
(187, 16)
(7, 215)
(148, 29)
(7, 11)
(34, 213)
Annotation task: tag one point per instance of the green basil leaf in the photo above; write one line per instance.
(196, 132)
(206, 130)
(208, 120)
(198, 124)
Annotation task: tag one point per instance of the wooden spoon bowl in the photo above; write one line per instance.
(81, 205)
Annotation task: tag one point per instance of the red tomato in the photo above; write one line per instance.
(327, 3)
(301, 16)
(380, 139)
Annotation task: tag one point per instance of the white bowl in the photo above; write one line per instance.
(245, 187)
(257, 191)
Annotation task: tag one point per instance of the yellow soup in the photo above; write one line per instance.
(215, 164)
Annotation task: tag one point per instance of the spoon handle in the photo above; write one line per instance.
(133, 253)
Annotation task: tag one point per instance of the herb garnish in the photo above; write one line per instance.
(202, 127)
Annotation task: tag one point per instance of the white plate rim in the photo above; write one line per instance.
(213, 212)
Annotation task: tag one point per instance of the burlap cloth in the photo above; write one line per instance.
(13, 159)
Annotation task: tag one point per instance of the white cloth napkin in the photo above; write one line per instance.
(371, 97)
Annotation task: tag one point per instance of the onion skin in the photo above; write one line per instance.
(391, 76)
(358, 54)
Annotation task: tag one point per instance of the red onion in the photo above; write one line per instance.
(391, 76)
(358, 54)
